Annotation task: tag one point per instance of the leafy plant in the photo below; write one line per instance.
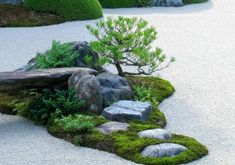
(49, 104)
(76, 123)
(60, 55)
(144, 93)
(126, 42)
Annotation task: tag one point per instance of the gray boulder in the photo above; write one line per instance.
(167, 3)
(112, 126)
(160, 134)
(88, 89)
(83, 48)
(114, 88)
(126, 110)
(41, 78)
(163, 150)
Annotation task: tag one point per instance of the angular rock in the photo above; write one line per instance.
(41, 78)
(163, 150)
(84, 50)
(114, 88)
(112, 126)
(167, 3)
(126, 110)
(87, 88)
(160, 134)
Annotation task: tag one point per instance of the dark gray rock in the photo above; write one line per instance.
(126, 110)
(167, 3)
(163, 150)
(41, 78)
(13, 2)
(31, 65)
(88, 89)
(160, 134)
(112, 126)
(84, 50)
(114, 88)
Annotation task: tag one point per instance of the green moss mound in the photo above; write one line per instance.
(80, 9)
(127, 144)
(69, 9)
(118, 3)
(186, 2)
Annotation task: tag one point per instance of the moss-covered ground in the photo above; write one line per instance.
(127, 144)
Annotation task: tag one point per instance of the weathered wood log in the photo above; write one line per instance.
(41, 78)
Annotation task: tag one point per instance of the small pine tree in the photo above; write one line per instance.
(127, 42)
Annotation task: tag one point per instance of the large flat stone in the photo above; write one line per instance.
(163, 150)
(112, 126)
(41, 78)
(126, 110)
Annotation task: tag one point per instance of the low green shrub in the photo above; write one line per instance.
(42, 5)
(60, 55)
(186, 2)
(118, 3)
(69, 9)
(76, 123)
(55, 104)
(80, 9)
(48, 105)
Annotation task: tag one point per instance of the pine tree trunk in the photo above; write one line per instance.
(119, 69)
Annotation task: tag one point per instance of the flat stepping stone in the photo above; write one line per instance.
(163, 150)
(41, 78)
(160, 134)
(112, 126)
(126, 110)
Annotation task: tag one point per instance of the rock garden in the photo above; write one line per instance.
(68, 90)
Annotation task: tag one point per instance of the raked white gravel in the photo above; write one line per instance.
(201, 37)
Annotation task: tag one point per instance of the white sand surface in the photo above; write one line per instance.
(201, 37)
